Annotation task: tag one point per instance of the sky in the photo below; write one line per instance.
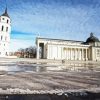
(59, 19)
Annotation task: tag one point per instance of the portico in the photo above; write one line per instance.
(68, 49)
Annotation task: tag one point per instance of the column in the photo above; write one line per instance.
(67, 53)
(48, 52)
(61, 53)
(74, 54)
(37, 50)
(57, 52)
(86, 54)
(82, 54)
(78, 54)
(71, 54)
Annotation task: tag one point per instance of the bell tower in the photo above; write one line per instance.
(5, 29)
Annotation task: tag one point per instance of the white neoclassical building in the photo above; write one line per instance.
(68, 49)
(5, 29)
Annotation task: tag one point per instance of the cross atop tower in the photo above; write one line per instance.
(91, 34)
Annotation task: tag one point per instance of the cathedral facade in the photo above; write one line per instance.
(69, 49)
(5, 29)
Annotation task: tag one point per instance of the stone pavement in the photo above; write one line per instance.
(58, 80)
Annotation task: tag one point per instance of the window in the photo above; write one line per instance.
(6, 29)
(1, 37)
(2, 28)
(7, 21)
(3, 19)
(6, 54)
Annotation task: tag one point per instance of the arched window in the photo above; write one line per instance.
(2, 28)
(7, 21)
(1, 37)
(6, 29)
(6, 54)
(3, 19)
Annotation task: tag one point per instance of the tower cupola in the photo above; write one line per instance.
(5, 13)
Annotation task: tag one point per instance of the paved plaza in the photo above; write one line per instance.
(27, 75)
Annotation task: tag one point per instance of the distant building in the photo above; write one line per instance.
(5, 29)
(68, 49)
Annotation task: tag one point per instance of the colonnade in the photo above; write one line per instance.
(75, 53)
(68, 53)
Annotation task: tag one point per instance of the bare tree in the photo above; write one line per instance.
(21, 51)
(29, 52)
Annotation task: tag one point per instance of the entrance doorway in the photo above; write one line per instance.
(41, 52)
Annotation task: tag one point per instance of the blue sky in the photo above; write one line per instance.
(64, 19)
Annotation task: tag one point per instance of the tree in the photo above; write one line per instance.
(21, 51)
(29, 52)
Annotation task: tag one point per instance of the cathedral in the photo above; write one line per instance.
(69, 49)
(5, 29)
